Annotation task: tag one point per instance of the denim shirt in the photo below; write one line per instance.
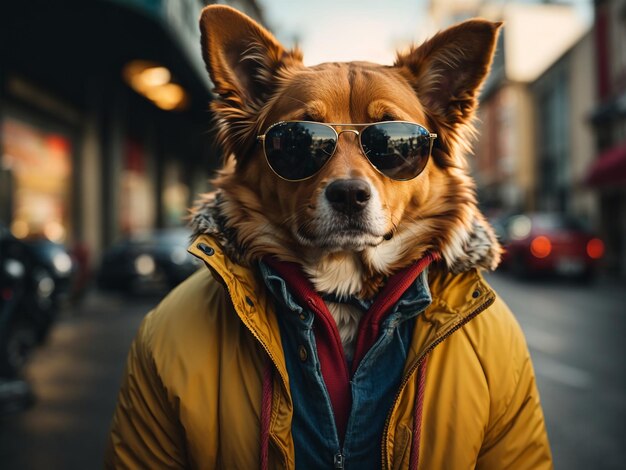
(373, 385)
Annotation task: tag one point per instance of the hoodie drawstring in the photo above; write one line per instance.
(417, 416)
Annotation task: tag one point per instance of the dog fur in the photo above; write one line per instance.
(254, 213)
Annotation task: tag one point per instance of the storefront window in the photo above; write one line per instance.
(137, 202)
(38, 163)
(175, 195)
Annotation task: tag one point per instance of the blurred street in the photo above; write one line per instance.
(75, 377)
(575, 333)
(576, 342)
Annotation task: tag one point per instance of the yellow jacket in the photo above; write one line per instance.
(191, 395)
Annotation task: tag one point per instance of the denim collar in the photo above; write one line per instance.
(413, 301)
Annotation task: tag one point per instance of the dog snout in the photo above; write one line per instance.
(348, 195)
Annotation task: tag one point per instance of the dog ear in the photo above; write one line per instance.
(447, 70)
(244, 61)
(241, 56)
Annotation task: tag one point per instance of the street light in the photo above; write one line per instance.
(154, 81)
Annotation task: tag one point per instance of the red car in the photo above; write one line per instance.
(549, 243)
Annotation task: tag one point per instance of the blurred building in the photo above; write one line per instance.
(607, 173)
(104, 123)
(563, 97)
(507, 167)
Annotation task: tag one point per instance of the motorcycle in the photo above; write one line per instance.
(15, 393)
(35, 277)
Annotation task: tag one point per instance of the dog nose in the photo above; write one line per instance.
(348, 196)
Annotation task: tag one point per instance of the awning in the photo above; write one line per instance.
(179, 20)
(609, 168)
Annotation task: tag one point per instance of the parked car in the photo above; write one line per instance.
(155, 262)
(14, 261)
(549, 243)
(51, 278)
(15, 393)
(35, 276)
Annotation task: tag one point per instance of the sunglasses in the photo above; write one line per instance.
(297, 150)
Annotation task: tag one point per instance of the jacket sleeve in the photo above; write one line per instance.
(517, 438)
(145, 432)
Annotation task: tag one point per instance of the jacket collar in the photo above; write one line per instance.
(414, 298)
(459, 295)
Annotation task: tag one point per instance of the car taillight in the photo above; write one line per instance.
(541, 247)
(595, 248)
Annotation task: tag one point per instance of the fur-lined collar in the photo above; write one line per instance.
(480, 249)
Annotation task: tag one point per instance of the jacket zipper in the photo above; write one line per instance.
(415, 366)
(252, 330)
(265, 346)
(338, 461)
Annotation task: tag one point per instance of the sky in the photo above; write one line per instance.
(346, 30)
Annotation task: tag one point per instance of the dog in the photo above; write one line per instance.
(342, 306)
(348, 224)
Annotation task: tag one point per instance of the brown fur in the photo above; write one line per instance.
(259, 83)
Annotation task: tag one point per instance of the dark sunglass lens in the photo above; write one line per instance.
(297, 150)
(399, 150)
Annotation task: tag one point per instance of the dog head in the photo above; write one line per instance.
(348, 218)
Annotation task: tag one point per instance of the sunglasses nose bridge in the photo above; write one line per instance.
(346, 157)
(352, 131)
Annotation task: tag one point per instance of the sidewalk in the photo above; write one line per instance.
(75, 377)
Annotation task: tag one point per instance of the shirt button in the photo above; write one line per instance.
(476, 294)
(302, 353)
(302, 316)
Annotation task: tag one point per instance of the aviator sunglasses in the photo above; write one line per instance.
(297, 150)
